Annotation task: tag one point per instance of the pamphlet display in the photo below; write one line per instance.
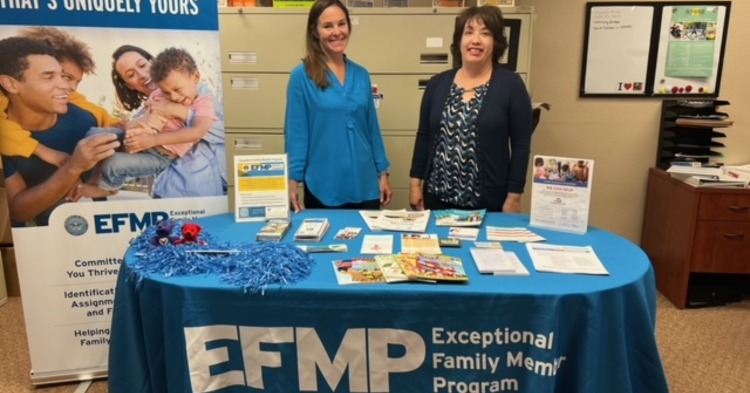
(274, 230)
(312, 230)
(561, 193)
(261, 189)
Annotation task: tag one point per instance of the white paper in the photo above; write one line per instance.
(377, 244)
(403, 221)
(491, 260)
(565, 259)
(618, 47)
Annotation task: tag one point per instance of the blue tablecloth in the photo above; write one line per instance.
(540, 333)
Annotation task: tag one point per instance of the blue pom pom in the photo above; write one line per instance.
(250, 266)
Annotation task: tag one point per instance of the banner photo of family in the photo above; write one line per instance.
(110, 120)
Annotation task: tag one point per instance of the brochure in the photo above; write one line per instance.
(377, 244)
(512, 234)
(403, 221)
(311, 230)
(319, 249)
(348, 233)
(358, 270)
(459, 218)
(415, 243)
(463, 233)
(565, 259)
(274, 230)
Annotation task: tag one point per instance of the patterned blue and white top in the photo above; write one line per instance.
(455, 175)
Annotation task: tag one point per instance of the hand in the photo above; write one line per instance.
(74, 194)
(161, 106)
(296, 203)
(512, 203)
(90, 150)
(416, 198)
(140, 138)
(385, 190)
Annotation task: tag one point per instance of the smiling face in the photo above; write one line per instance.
(134, 70)
(477, 43)
(333, 31)
(180, 87)
(42, 88)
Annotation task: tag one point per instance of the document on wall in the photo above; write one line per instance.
(261, 189)
(565, 259)
(561, 193)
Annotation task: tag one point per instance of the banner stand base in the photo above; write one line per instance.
(83, 387)
(80, 375)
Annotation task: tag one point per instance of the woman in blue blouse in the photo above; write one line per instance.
(474, 137)
(331, 129)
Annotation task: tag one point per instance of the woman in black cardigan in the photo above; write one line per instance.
(474, 137)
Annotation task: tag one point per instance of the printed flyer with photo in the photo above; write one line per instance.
(561, 193)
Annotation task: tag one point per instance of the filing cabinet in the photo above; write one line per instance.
(400, 47)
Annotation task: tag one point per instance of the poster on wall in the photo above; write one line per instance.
(691, 39)
(111, 120)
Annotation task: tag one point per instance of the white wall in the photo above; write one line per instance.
(619, 134)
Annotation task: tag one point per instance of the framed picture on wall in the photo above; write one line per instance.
(650, 49)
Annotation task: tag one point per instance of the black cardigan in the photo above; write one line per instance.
(504, 132)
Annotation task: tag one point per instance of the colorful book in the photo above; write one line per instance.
(274, 230)
(391, 269)
(433, 268)
(358, 270)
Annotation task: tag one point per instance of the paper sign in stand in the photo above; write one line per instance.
(261, 189)
(561, 193)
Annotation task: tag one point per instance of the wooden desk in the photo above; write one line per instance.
(693, 230)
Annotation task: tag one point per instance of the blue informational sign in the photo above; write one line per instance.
(137, 14)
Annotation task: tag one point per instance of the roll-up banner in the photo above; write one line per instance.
(71, 227)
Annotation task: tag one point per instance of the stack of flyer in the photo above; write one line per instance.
(312, 230)
(707, 176)
(274, 230)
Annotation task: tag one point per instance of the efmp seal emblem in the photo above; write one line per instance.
(76, 225)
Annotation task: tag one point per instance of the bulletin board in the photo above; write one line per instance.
(651, 49)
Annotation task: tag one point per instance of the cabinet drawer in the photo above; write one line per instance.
(721, 247)
(729, 206)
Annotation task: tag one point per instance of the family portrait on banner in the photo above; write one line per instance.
(110, 120)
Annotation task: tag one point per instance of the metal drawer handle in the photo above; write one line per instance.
(738, 209)
(734, 236)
